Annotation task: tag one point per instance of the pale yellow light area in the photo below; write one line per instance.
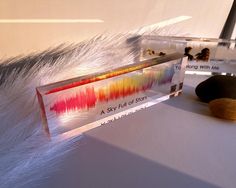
(46, 21)
(165, 23)
(173, 21)
(198, 73)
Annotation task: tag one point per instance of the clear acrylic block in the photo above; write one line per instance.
(73, 106)
(206, 56)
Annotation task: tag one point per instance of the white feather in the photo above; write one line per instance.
(26, 154)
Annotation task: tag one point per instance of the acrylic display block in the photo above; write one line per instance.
(211, 56)
(205, 55)
(76, 105)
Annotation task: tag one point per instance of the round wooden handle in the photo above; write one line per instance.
(224, 108)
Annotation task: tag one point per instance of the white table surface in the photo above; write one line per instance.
(176, 143)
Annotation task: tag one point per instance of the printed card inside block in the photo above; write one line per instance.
(80, 104)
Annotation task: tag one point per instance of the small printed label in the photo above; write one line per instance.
(113, 109)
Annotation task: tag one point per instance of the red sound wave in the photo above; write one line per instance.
(87, 97)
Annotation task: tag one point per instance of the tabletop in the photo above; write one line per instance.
(176, 143)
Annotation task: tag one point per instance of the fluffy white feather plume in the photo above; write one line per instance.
(26, 154)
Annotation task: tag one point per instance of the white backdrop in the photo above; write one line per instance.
(208, 17)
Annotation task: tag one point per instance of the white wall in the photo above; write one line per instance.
(208, 17)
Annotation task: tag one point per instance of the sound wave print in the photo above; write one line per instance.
(89, 96)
